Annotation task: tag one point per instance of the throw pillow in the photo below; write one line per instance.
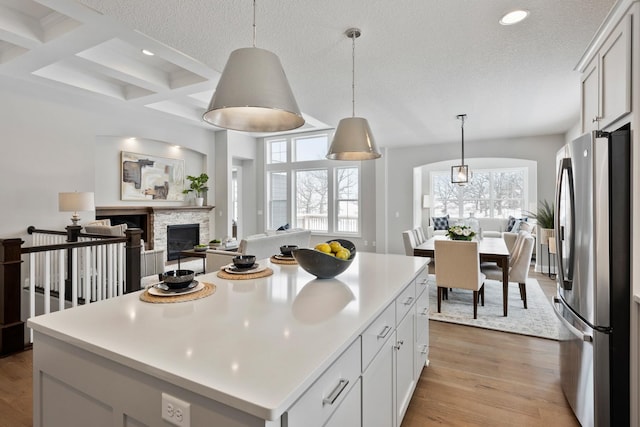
(440, 223)
(525, 226)
(106, 222)
(283, 227)
(514, 223)
(114, 230)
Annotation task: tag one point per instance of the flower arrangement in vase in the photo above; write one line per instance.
(460, 232)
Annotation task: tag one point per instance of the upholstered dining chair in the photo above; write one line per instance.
(458, 266)
(409, 240)
(518, 266)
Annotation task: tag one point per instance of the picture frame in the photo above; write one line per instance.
(151, 178)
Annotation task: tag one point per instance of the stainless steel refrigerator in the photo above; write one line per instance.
(593, 230)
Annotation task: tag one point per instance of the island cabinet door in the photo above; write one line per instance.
(404, 351)
(422, 332)
(378, 388)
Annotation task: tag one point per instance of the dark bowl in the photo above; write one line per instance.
(321, 265)
(244, 261)
(176, 279)
(286, 249)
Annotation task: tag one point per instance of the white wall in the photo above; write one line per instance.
(397, 212)
(50, 145)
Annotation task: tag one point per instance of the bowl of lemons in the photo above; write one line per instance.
(326, 260)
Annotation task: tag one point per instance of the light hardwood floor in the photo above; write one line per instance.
(476, 377)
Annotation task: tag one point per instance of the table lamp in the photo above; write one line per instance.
(76, 202)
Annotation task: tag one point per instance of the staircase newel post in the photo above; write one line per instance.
(73, 234)
(11, 327)
(132, 260)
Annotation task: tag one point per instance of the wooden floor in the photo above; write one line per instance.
(477, 377)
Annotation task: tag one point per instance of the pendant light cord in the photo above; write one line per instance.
(254, 23)
(353, 74)
(462, 117)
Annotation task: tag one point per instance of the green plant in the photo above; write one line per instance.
(198, 184)
(544, 216)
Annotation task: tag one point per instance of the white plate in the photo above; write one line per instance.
(153, 290)
(231, 269)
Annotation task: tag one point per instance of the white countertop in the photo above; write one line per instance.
(254, 345)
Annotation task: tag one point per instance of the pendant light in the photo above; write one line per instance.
(253, 94)
(460, 173)
(353, 139)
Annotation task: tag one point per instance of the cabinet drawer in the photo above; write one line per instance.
(374, 337)
(422, 281)
(405, 301)
(325, 395)
(422, 313)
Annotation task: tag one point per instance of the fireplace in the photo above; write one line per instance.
(181, 237)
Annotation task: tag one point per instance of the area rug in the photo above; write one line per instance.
(539, 320)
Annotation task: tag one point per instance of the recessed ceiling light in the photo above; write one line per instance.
(514, 17)
(147, 52)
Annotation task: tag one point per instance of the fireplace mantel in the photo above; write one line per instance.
(157, 217)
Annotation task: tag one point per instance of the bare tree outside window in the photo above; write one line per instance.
(496, 193)
(311, 200)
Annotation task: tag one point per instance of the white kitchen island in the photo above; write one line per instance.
(285, 350)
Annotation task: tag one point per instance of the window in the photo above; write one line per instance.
(310, 191)
(497, 193)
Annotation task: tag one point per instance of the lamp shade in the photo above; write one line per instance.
(253, 95)
(353, 140)
(76, 202)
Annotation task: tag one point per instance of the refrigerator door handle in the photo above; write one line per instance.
(584, 337)
(565, 277)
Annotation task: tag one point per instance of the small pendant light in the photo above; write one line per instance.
(253, 94)
(460, 173)
(353, 139)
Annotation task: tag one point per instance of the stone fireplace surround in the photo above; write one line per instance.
(154, 220)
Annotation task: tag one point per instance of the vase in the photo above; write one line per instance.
(199, 201)
(467, 238)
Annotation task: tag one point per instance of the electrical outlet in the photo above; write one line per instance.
(176, 411)
(366, 243)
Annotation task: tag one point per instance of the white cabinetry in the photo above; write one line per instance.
(320, 401)
(405, 379)
(606, 80)
(390, 375)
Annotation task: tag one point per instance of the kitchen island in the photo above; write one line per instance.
(283, 350)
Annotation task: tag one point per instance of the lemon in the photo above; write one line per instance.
(335, 246)
(323, 247)
(343, 254)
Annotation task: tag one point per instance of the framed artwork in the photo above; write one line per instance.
(146, 177)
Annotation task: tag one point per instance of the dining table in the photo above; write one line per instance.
(491, 249)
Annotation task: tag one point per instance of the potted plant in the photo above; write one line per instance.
(545, 219)
(198, 186)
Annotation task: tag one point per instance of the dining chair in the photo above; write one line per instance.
(458, 266)
(409, 240)
(519, 265)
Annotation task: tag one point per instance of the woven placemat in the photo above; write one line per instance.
(209, 288)
(275, 260)
(264, 273)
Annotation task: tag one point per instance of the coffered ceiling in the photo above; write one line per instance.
(418, 62)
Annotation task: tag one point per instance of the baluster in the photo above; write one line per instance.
(86, 254)
(47, 282)
(74, 277)
(61, 287)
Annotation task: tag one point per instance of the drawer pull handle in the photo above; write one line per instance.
(384, 332)
(329, 400)
(425, 311)
(400, 343)
(424, 349)
(408, 301)
(424, 281)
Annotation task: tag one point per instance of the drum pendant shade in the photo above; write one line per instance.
(253, 95)
(353, 140)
